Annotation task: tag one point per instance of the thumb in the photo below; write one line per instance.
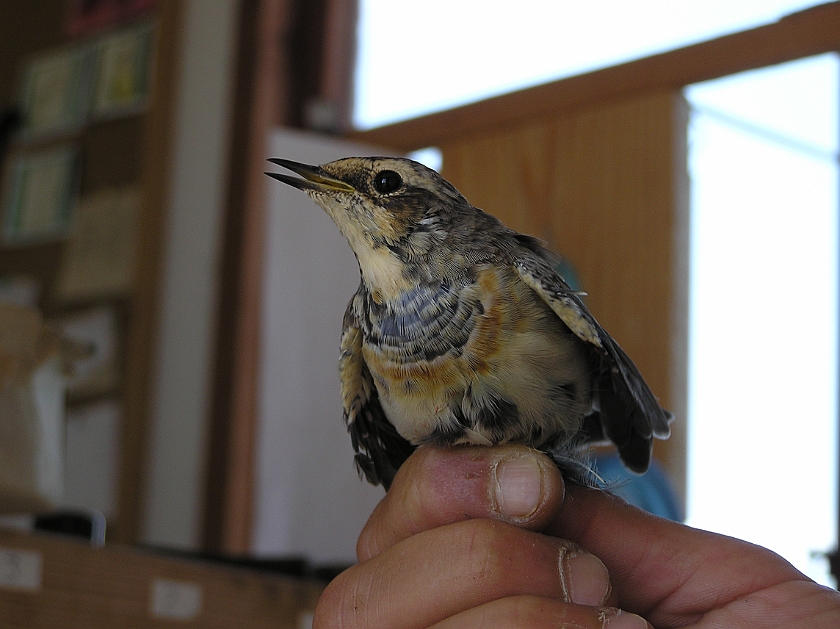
(439, 486)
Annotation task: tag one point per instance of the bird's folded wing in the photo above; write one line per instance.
(380, 450)
(628, 411)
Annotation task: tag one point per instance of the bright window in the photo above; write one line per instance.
(419, 56)
(763, 162)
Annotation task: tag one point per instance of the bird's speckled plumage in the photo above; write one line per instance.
(461, 331)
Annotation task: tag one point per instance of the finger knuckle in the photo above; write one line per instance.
(341, 605)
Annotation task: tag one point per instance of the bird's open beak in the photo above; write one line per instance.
(314, 177)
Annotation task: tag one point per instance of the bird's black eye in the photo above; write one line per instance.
(387, 181)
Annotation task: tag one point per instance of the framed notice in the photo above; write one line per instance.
(41, 195)
(56, 91)
(123, 73)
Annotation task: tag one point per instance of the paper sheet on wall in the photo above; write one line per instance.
(99, 258)
(56, 91)
(41, 196)
(123, 79)
(95, 370)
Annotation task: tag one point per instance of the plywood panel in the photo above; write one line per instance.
(602, 187)
(511, 174)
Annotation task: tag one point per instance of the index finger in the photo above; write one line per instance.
(439, 486)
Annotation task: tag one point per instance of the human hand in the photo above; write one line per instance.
(677, 576)
(454, 544)
(475, 537)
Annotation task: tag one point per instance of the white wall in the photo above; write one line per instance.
(308, 499)
(175, 482)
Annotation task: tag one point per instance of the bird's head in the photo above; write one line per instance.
(381, 199)
(391, 210)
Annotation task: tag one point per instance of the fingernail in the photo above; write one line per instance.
(518, 488)
(625, 620)
(587, 582)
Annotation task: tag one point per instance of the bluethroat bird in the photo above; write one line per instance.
(462, 332)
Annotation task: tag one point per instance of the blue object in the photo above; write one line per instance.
(651, 491)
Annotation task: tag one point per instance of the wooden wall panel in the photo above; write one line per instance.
(601, 186)
(511, 174)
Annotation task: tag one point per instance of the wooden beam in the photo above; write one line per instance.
(809, 32)
(339, 58)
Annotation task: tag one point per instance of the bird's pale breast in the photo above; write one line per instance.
(477, 363)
